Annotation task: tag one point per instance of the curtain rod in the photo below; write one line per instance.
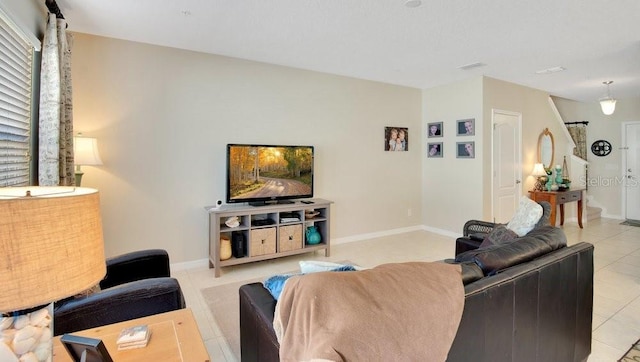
(53, 8)
(586, 123)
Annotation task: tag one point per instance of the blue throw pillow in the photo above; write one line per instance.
(275, 284)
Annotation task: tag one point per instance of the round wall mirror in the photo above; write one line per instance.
(546, 148)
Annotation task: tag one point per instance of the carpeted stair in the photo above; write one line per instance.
(593, 212)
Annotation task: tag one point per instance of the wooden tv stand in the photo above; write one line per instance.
(268, 230)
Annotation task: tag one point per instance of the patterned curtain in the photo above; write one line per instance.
(55, 165)
(579, 135)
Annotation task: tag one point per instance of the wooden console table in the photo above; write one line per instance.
(559, 198)
(174, 337)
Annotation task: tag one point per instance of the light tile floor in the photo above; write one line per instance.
(616, 315)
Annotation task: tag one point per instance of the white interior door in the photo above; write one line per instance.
(632, 170)
(506, 163)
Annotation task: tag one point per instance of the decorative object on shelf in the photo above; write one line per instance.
(566, 181)
(312, 235)
(310, 214)
(232, 222)
(549, 184)
(601, 148)
(541, 176)
(565, 168)
(85, 153)
(607, 103)
(225, 248)
(52, 248)
(238, 244)
(558, 174)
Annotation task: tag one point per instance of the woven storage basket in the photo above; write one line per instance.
(263, 241)
(290, 237)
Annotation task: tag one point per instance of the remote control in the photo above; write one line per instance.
(306, 202)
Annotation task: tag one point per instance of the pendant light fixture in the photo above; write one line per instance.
(607, 103)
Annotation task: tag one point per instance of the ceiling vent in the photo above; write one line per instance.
(471, 66)
(551, 70)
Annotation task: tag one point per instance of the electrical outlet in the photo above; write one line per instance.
(409, 212)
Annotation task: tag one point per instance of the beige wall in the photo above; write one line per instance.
(537, 114)
(457, 190)
(605, 173)
(164, 116)
(452, 187)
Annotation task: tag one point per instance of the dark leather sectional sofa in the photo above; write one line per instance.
(137, 284)
(527, 300)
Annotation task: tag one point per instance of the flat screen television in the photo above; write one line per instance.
(263, 174)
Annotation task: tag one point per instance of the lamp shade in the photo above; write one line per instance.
(51, 244)
(85, 151)
(608, 106)
(538, 170)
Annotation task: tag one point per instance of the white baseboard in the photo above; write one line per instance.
(443, 232)
(378, 234)
(200, 263)
(204, 263)
(612, 216)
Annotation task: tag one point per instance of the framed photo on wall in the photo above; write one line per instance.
(434, 129)
(465, 149)
(434, 149)
(396, 139)
(466, 127)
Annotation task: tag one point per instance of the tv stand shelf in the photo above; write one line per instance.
(269, 232)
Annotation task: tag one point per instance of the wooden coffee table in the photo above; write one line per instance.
(174, 337)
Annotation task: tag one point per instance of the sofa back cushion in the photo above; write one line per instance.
(494, 258)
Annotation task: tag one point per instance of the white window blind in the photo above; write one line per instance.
(15, 106)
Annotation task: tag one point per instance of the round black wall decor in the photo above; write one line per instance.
(601, 148)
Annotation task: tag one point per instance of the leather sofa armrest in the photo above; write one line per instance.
(143, 264)
(258, 340)
(124, 302)
(477, 226)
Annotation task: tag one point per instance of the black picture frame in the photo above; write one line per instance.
(465, 149)
(435, 150)
(93, 349)
(466, 127)
(437, 131)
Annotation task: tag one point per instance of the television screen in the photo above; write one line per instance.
(260, 173)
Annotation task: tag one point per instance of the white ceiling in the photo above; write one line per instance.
(383, 40)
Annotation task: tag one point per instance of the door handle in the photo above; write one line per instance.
(518, 181)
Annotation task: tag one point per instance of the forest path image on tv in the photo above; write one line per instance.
(270, 171)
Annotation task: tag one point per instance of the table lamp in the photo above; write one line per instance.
(539, 173)
(85, 152)
(51, 247)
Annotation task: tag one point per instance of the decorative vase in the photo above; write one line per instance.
(225, 248)
(313, 236)
(549, 183)
(558, 175)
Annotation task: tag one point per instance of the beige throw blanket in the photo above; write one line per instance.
(393, 312)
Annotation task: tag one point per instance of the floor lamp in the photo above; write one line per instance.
(85, 153)
(51, 247)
